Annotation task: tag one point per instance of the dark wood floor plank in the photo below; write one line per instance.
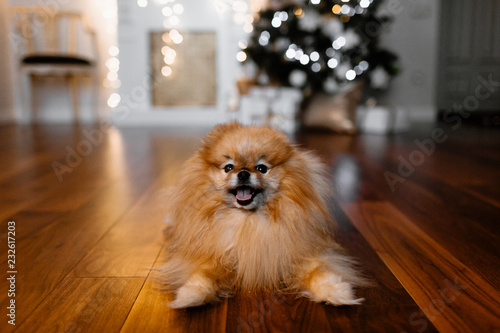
(47, 197)
(487, 193)
(85, 305)
(131, 247)
(38, 186)
(55, 246)
(385, 290)
(287, 313)
(151, 314)
(46, 258)
(29, 150)
(379, 319)
(452, 217)
(274, 312)
(430, 248)
(452, 296)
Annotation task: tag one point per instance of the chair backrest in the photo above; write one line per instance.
(42, 30)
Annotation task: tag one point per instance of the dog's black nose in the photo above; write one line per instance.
(243, 175)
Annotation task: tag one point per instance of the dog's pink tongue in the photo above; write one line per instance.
(244, 193)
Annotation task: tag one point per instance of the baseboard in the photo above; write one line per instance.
(7, 116)
(422, 114)
(187, 118)
(488, 118)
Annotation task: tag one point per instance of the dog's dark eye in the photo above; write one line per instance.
(261, 168)
(228, 167)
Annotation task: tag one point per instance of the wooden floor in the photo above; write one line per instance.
(421, 216)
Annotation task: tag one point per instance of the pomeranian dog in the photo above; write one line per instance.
(250, 212)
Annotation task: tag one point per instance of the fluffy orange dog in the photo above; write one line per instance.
(250, 213)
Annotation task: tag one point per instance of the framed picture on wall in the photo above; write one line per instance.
(183, 68)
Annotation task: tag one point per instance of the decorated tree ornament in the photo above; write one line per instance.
(352, 39)
(379, 79)
(310, 21)
(308, 44)
(297, 78)
(332, 28)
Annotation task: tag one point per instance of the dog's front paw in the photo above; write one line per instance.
(187, 297)
(197, 291)
(329, 288)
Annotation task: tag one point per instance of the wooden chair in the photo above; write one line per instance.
(54, 43)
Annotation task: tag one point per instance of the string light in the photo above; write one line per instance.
(243, 44)
(276, 22)
(298, 12)
(111, 80)
(248, 28)
(166, 71)
(242, 14)
(345, 9)
(171, 13)
(113, 100)
(314, 56)
(316, 67)
(113, 64)
(173, 20)
(278, 18)
(298, 54)
(112, 76)
(338, 43)
(264, 38)
(363, 65)
(241, 56)
(240, 6)
(364, 3)
(332, 63)
(113, 51)
(167, 11)
(350, 75)
(178, 9)
(304, 59)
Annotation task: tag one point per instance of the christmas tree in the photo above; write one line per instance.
(320, 45)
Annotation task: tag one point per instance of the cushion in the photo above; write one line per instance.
(55, 60)
(336, 113)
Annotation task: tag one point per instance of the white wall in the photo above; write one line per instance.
(53, 98)
(413, 36)
(135, 23)
(6, 93)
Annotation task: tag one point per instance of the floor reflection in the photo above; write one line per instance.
(346, 175)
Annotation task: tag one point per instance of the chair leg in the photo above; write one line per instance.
(23, 104)
(33, 79)
(96, 95)
(73, 85)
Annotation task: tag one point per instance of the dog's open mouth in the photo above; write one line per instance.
(245, 194)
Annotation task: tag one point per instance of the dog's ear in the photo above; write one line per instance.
(218, 132)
